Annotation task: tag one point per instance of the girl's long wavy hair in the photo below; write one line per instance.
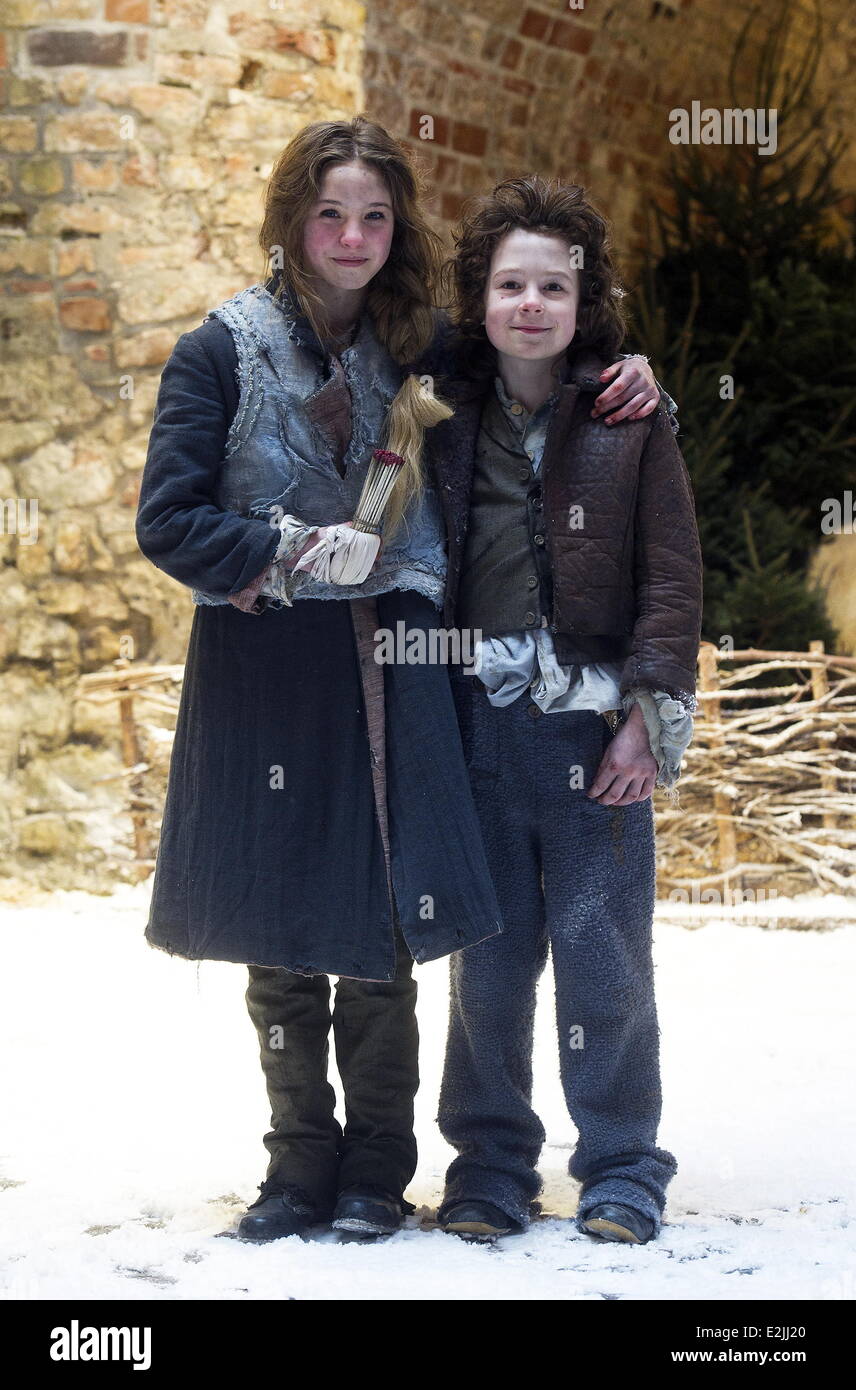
(533, 204)
(399, 298)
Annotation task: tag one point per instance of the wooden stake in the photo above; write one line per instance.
(820, 690)
(726, 836)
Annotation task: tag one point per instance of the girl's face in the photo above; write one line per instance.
(532, 296)
(348, 231)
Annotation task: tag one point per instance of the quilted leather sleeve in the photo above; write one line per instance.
(667, 573)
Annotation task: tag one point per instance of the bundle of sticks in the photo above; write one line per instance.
(380, 480)
(345, 554)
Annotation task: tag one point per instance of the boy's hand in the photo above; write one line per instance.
(633, 394)
(628, 768)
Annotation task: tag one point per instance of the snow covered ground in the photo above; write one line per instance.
(133, 1106)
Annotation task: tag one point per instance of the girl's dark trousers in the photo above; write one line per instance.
(577, 878)
(377, 1045)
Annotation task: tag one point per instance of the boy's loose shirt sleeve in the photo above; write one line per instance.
(179, 526)
(670, 730)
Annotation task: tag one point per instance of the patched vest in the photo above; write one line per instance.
(278, 457)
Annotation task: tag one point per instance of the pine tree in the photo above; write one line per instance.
(748, 311)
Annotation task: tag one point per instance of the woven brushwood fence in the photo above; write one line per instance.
(768, 787)
(767, 795)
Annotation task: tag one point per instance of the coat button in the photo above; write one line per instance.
(517, 408)
(523, 475)
(530, 618)
(539, 540)
(532, 581)
(533, 711)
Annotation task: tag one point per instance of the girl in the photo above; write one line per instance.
(318, 819)
(573, 550)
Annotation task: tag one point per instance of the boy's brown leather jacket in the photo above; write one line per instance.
(627, 583)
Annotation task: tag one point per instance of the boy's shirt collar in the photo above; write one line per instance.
(530, 427)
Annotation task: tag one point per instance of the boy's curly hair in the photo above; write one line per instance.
(534, 204)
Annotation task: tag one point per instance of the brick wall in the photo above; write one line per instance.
(582, 91)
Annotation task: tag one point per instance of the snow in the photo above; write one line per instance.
(133, 1109)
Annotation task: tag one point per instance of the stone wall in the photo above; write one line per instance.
(137, 137)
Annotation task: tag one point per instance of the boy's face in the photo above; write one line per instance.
(348, 233)
(532, 296)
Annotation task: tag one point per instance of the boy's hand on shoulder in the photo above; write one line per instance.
(632, 394)
(628, 768)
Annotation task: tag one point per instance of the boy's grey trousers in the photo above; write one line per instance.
(577, 877)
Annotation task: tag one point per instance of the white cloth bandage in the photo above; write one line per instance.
(294, 534)
(342, 556)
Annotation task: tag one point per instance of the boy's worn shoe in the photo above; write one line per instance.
(478, 1221)
(368, 1211)
(613, 1221)
(279, 1211)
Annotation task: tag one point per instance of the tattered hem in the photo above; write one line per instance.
(302, 969)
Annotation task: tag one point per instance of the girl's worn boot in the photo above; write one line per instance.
(278, 1212)
(369, 1211)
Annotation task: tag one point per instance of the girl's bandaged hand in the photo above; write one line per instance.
(341, 555)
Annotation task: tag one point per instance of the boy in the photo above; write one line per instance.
(574, 552)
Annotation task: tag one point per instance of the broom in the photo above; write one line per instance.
(346, 553)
